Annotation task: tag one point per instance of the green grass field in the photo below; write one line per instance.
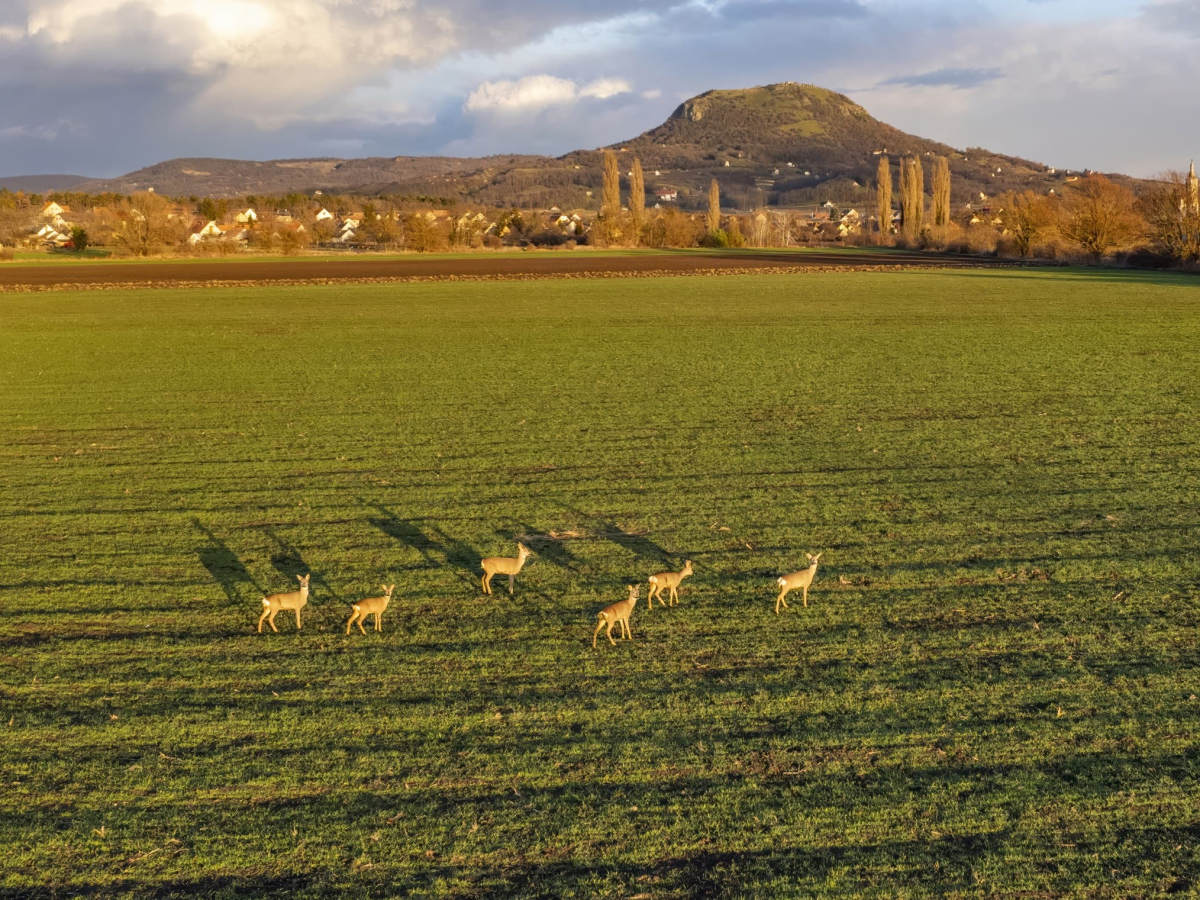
(992, 692)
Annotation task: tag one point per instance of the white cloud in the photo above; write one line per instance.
(603, 88)
(535, 92)
(529, 93)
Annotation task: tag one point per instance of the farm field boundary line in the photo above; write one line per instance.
(316, 271)
(172, 284)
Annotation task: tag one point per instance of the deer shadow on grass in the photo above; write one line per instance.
(435, 546)
(290, 563)
(636, 542)
(550, 546)
(224, 565)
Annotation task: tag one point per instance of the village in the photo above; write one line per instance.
(355, 224)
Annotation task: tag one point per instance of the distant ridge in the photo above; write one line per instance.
(777, 144)
(41, 184)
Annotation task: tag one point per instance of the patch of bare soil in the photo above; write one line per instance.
(497, 267)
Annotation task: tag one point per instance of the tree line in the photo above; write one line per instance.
(1092, 218)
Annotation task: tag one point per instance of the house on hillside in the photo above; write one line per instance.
(211, 229)
(246, 217)
(667, 195)
(323, 216)
(52, 209)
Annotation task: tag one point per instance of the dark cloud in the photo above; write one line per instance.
(752, 10)
(954, 78)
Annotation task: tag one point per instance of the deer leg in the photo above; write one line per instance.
(806, 596)
(596, 633)
(297, 619)
(379, 621)
(511, 581)
(628, 631)
(674, 597)
(271, 621)
(266, 612)
(610, 640)
(350, 621)
(487, 588)
(779, 600)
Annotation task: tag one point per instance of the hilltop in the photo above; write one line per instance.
(779, 144)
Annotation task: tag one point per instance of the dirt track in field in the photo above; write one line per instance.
(516, 266)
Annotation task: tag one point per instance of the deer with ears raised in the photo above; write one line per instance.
(374, 605)
(617, 612)
(670, 581)
(801, 580)
(275, 603)
(504, 565)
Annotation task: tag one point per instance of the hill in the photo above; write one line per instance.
(41, 184)
(780, 144)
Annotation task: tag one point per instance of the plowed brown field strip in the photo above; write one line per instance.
(490, 266)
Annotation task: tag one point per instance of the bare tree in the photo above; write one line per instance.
(713, 220)
(883, 199)
(941, 192)
(423, 234)
(672, 228)
(1100, 215)
(145, 225)
(637, 201)
(1172, 217)
(388, 230)
(1025, 215)
(16, 224)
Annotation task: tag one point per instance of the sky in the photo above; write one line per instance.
(103, 87)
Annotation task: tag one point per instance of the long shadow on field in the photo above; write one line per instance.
(629, 540)
(224, 565)
(435, 546)
(545, 545)
(289, 562)
(201, 886)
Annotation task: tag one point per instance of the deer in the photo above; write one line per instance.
(504, 565)
(618, 612)
(364, 608)
(669, 580)
(275, 603)
(802, 580)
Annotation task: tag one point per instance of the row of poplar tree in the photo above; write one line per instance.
(912, 195)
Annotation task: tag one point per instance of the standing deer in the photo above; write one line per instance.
(273, 604)
(802, 580)
(669, 580)
(618, 612)
(364, 608)
(504, 565)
